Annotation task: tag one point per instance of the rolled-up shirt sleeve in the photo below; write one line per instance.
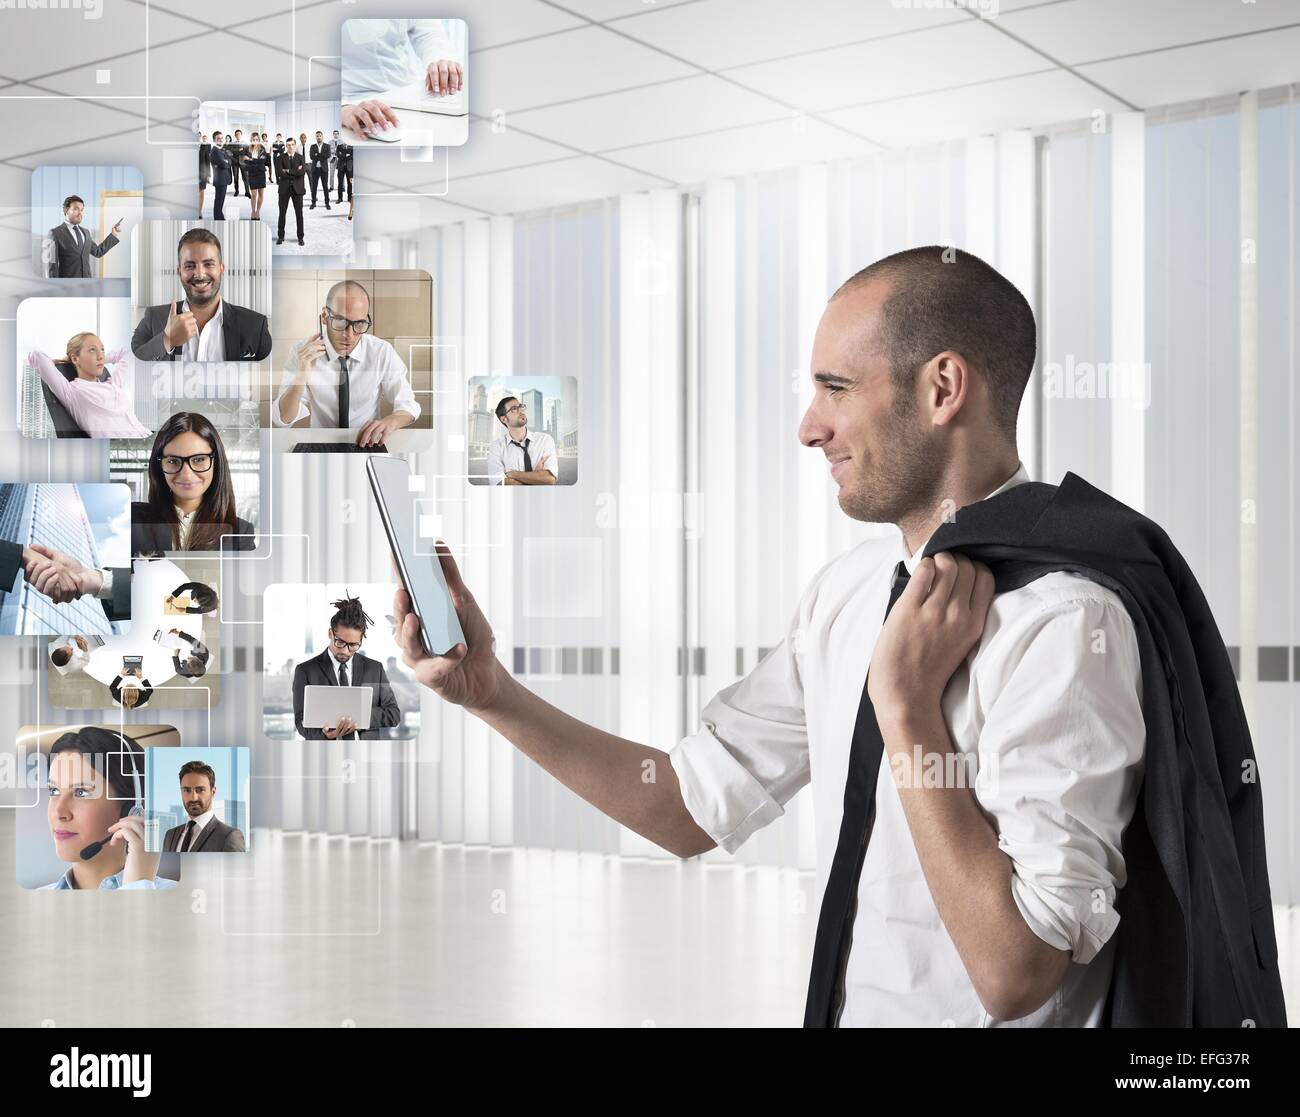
(1060, 762)
(750, 755)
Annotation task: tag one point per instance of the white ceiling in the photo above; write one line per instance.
(605, 96)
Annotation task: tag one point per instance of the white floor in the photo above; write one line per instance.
(327, 232)
(314, 931)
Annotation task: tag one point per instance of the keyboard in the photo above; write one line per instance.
(418, 99)
(337, 448)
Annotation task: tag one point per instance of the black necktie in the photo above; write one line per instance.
(345, 393)
(343, 681)
(839, 904)
(528, 462)
(187, 836)
(79, 237)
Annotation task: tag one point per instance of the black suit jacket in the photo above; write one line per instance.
(1195, 945)
(116, 608)
(71, 262)
(205, 161)
(219, 158)
(320, 155)
(321, 670)
(289, 173)
(344, 151)
(151, 537)
(215, 837)
(246, 334)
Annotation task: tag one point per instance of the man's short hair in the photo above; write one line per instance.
(944, 298)
(345, 287)
(60, 656)
(238, 131)
(217, 132)
(72, 198)
(198, 768)
(198, 236)
(501, 407)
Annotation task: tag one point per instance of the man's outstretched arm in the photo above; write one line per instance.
(632, 783)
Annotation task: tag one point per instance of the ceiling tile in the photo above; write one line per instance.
(552, 184)
(1189, 73)
(560, 67)
(658, 112)
(721, 33)
(620, 9)
(759, 147)
(1089, 30)
(507, 21)
(940, 57)
(486, 150)
(1022, 102)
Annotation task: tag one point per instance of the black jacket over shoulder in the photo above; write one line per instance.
(1195, 945)
(149, 536)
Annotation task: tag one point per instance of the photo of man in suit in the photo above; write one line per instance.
(204, 832)
(320, 162)
(202, 326)
(290, 170)
(220, 163)
(343, 664)
(74, 244)
(344, 151)
(235, 149)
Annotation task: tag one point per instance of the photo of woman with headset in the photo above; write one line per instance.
(191, 503)
(95, 812)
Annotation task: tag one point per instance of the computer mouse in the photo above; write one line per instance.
(391, 134)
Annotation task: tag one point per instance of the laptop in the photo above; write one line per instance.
(323, 705)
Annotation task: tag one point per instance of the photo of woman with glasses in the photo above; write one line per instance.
(191, 504)
(344, 376)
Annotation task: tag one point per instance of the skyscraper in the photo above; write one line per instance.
(55, 516)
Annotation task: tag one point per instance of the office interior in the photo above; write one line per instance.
(672, 193)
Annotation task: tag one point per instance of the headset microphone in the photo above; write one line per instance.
(136, 809)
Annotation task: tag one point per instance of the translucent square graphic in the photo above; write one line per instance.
(417, 146)
(455, 443)
(563, 577)
(416, 483)
(430, 526)
(103, 77)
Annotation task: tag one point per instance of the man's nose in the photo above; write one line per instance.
(812, 429)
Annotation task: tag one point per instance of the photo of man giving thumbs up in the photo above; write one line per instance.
(202, 326)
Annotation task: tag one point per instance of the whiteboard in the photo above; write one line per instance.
(128, 205)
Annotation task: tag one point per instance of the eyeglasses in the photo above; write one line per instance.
(174, 463)
(338, 322)
(517, 407)
(341, 644)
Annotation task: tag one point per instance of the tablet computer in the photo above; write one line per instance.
(322, 706)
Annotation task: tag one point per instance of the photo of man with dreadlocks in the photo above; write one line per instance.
(343, 663)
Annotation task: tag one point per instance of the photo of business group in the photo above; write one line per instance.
(332, 667)
(64, 559)
(168, 660)
(89, 816)
(405, 82)
(201, 291)
(354, 361)
(80, 214)
(76, 372)
(522, 430)
(195, 484)
(197, 800)
(284, 164)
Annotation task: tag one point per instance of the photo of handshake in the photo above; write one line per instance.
(58, 575)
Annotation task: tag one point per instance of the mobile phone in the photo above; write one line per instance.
(418, 567)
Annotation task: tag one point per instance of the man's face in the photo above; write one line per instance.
(217, 137)
(342, 640)
(884, 459)
(319, 137)
(238, 134)
(196, 793)
(352, 306)
(200, 270)
(514, 416)
(73, 213)
(336, 134)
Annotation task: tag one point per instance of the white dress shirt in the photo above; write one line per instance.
(381, 54)
(1048, 705)
(79, 234)
(208, 344)
(375, 371)
(505, 453)
(184, 525)
(199, 823)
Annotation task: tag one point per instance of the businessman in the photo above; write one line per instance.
(342, 663)
(340, 375)
(289, 173)
(74, 244)
(320, 161)
(277, 149)
(345, 167)
(204, 832)
(202, 326)
(517, 457)
(222, 168)
(235, 149)
(991, 892)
